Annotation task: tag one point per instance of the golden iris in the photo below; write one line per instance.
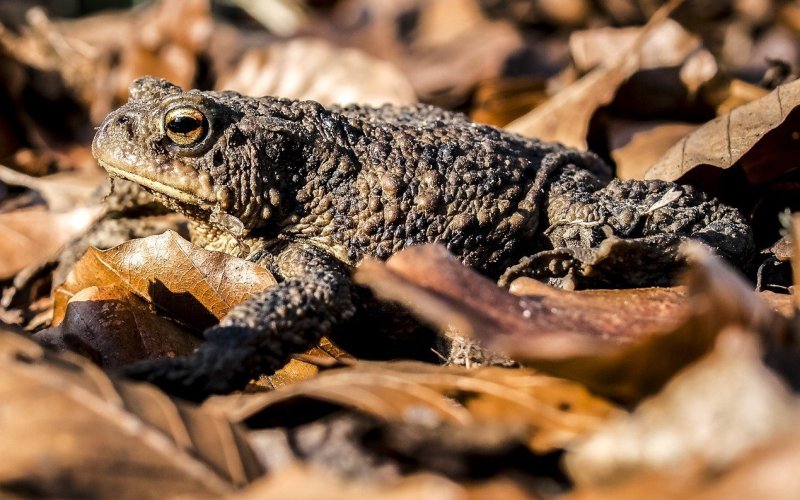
(185, 126)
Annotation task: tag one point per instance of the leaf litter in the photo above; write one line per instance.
(682, 392)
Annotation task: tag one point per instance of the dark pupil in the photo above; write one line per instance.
(183, 124)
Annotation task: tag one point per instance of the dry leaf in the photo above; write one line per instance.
(314, 484)
(314, 69)
(500, 101)
(768, 471)
(717, 298)
(114, 327)
(32, 235)
(710, 413)
(759, 137)
(551, 411)
(637, 145)
(69, 431)
(576, 335)
(307, 365)
(62, 191)
(195, 285)
(444, 48)
(566, 116)
(668, 45)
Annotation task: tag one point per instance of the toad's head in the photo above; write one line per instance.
(219, 157)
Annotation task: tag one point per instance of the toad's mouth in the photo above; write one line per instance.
(183, 196)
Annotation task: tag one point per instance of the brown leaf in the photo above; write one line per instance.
(70, 431)
(758, 137)
(566, 116)
(195, 285)
(717, 298)
(551, 411)
(637, 145)
(307, 365)
(710, 413)
(114, 327)
(32, 235)
(314, 69)
(501, 100)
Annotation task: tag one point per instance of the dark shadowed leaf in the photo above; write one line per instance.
(114, 327)
(580, 335)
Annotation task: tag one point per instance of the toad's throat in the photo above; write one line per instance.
(177, 194)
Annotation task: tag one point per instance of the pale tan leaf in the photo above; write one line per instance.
(314, 484)
(62, 191)
(32, 235)
(712, 412)
(669, 44)
(308, 68)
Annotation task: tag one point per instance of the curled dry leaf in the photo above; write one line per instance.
(710, 413)
(442, 291)
(307, 365)
(581, 336)
(68, 431)
(758, 137)
(768, 471)
(32, 235)
(195, 285)
(114, 327)
(308, 68)
(550, 412)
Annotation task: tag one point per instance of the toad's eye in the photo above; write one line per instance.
(185, 126)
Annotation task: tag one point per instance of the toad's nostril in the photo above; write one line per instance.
(125, 124)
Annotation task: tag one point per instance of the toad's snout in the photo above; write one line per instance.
(115, 137)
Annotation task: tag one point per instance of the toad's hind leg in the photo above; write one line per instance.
(594, 232)
(261, 334)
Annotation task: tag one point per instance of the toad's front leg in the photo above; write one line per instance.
(261, 334)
